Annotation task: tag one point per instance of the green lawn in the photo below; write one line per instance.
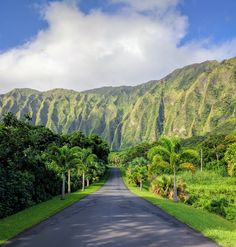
(211, 225)
(14, 224)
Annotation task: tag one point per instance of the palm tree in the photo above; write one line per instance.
(86, 159)
(169, 152)
(139, 170)
(73, 161)
(63, 160)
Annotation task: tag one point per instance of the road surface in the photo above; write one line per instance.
(111, 217)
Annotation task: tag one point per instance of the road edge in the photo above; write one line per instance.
(136, 192)
(6, 222)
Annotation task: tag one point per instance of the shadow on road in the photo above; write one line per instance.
(112, 217)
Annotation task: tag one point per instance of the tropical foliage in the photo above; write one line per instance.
(164, 186)
(136, 171)
(230, 157)
(204, 168)
(35, 162)
(168, 155)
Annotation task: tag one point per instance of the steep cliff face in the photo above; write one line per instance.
(190, 101)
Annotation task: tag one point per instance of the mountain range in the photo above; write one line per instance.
(190, 101)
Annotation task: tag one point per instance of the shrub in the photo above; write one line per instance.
(231, 213)
(218, 206)
(192, 199)
(230, 157)
(201, 203)
(164, 186)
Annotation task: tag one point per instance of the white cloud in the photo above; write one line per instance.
(86, 51)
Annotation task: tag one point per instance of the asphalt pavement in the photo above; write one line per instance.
(111, 217)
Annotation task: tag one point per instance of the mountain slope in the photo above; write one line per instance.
(190, 101)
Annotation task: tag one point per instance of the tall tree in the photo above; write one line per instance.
(86, 158)
(169, 152)
(63, 160)
(137, 171)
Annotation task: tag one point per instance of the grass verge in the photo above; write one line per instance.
(210, 225)
(17, 223)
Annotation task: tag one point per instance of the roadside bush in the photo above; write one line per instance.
(16, 191)
(231, 213)
(164, 186)
(218, 206)
(201, 203)
(192, 199)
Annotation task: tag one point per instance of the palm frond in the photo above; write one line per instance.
(162, 150)
(166, 142)
(163, 164)
(157, 158)
(190, 153)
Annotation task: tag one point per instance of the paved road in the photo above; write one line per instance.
(111, 217)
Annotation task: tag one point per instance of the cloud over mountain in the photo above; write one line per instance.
(138, 42)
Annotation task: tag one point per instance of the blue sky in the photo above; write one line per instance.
(20, 20)
(84, 44)
(214, 19)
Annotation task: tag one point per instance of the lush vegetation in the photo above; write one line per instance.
(211, 225)
(38, 163)
(14, 224)
(199, 172)
(35, 162)
(212, 192)
(190, 101)
(200, 169)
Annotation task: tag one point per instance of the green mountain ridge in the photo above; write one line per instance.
(193, 100)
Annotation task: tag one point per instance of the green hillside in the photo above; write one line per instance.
(190, 101)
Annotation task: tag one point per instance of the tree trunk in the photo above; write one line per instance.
(87, 182)
(69, 189)
(63, 187)
(217, 157)
(201, 160)
(175, 196)
(83, 182)
(140, 185)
